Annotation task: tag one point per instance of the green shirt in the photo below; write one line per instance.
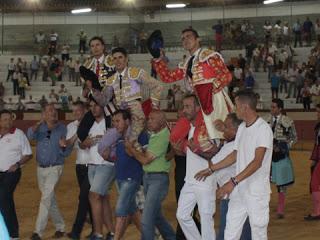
(158, 146)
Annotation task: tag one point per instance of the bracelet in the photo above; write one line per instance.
(234, 181)
(211, 171)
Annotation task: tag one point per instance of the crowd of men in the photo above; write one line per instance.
(221, 152)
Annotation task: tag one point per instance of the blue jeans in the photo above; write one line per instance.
(156, 187)
(126, 203)
(246, 231)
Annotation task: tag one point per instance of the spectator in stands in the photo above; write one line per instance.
(82, 41)
(297, 30)
(43, 101)
(65, 52)
(25, 72)
(267, 27)
(22, 82)
(34, 67)
(63, 92)
(242, 63)
(53, 97)
(277, 28)
(284, 80)
(30, 104)
(19, 64)
(306, 96)
(45, 69)
(143, 42)
(315, 92)
(250, 47)
(307, 29)
(249, 78)
(290, 52)
(283, 59)
(275, 82)
(292, 79)
(71, 69)
(256, 58)
(1, 90)
(270, 65)
(11, 68)
(40, 37)
(286, 33)
(15, 80)
(55, 71)
(238, 75)
(300, 85)
(10, 105)
(244, 32)
(218, 28)
(53, 40)
(77, 72)
(20, 105)
(317, 29)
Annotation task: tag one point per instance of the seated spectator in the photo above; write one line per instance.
(10, 105)
(20, 106)
(30, 104)
(63, 92)
(178, 96)
(306, 96)
(43, 101)
(53, 97)
(170, 98)
(1, 90)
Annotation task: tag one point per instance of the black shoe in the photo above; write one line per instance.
(58, 234)
(73, 236)
(312, 218)
(280, 215)
(110, 236)
(35, 236)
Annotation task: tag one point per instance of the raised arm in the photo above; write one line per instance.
(167, 75)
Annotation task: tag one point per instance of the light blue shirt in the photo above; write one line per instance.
(48, 150)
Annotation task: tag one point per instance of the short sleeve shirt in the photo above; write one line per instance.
(248, 139)
(158, 146)
(13, 146)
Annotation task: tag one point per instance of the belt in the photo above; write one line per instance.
(47, 166)
(156, 173)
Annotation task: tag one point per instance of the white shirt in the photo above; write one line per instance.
(223, 175)
(285, 30)
(238, 73)
(315, 89)
(83, 156)
(97, 129)
(195, 164)
(248, 139)
(12, 147)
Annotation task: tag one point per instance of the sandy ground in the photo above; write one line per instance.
(292, 227)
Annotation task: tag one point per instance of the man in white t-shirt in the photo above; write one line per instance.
(195, 192)
(101, 175)
(15, 151)
(82, 161)
(249, 189)
(229, 128)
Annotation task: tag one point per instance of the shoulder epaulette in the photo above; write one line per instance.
(134, 72)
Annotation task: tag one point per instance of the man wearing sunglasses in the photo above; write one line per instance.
(48, 133)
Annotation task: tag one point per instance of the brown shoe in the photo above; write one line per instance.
(58, 234)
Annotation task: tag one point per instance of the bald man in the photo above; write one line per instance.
(155, 178)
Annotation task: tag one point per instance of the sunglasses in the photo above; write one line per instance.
(48, 134)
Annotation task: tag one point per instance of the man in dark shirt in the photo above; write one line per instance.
(48, 133)
(218, 28)
(307, 29)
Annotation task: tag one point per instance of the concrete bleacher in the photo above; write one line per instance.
(40, 88)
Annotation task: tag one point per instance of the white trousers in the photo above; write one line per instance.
(240, 207)
(47, 180)
(192, 194)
